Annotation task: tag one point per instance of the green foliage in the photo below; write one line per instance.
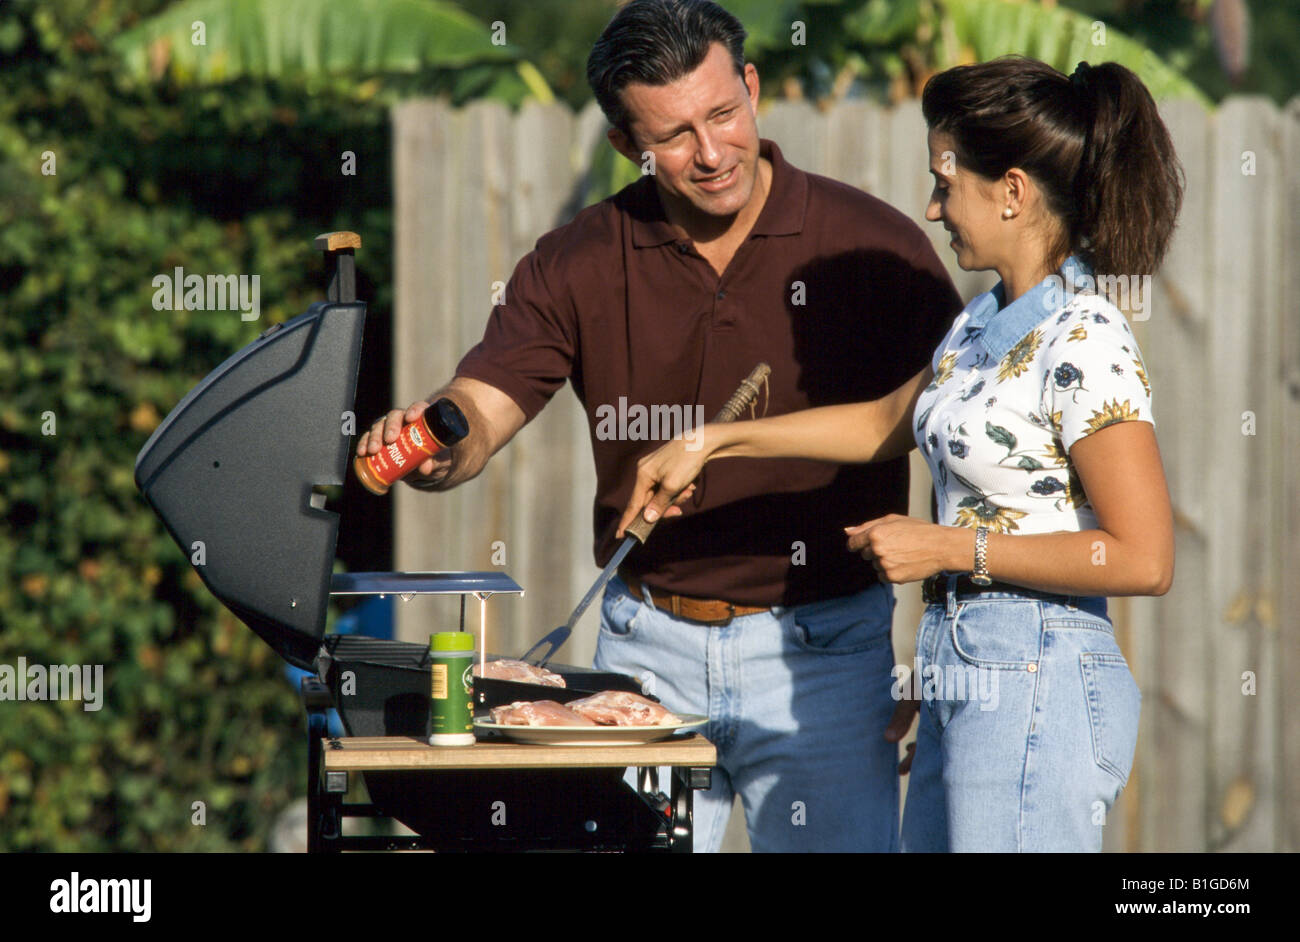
(1186, 35)
(127, 150)
(555, 35)
(343, 44)
(768, 22)
(608, 173)
(886, 49)
(1062, 39)
(305, 37)
(236, 180)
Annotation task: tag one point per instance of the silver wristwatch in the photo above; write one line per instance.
(981, 574)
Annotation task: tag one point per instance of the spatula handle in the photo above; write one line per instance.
(746, 393)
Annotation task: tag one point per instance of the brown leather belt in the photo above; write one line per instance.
(705, 611)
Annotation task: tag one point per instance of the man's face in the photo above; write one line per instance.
(701, 130)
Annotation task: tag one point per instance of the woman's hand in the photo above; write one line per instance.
(904, 549)
(663, 481)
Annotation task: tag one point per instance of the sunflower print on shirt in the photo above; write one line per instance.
(1140, 368)
(1111, 413)
(997, 519)
(1003, 461)
(979, 510)
(944, 371)
(1020, 356)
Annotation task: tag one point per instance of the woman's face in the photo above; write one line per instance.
(969, 206)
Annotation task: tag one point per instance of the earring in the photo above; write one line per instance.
(1006, 213)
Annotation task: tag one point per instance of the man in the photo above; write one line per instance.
(748, 607)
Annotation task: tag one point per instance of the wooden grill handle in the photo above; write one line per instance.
(339, 249)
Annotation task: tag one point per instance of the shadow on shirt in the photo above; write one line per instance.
(868, 321)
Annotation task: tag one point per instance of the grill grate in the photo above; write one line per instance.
(379, 651)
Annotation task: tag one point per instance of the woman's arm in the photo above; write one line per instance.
(854, 433)
(1131, 552)
(846, 434)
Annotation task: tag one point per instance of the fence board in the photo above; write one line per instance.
(1287, 471)
(790, 124)
(545, 500)
(1167, 639)
(426, 341)
(1236, 335)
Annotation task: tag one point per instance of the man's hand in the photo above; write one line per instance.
(904, 549)
(493, 418)
(385, 431)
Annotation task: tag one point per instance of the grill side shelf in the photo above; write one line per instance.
(481, 584)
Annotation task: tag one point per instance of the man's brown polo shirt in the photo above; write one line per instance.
(842, 294)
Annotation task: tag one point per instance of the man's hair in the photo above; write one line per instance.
(655, 42)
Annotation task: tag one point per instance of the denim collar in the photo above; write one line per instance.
(1000, 328)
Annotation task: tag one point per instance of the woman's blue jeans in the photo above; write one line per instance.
(1027, 729)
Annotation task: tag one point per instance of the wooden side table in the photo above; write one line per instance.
(571, 773)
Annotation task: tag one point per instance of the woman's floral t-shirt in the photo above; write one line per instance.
(1013, 390)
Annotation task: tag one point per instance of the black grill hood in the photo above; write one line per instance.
(232, 467)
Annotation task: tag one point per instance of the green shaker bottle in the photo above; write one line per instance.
(451, 703)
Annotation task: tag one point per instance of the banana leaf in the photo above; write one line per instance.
(296, 38)
(1062, 38)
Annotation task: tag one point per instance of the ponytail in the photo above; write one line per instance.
(1129, 186)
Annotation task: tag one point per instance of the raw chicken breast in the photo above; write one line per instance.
(537, 713)
(621, 708)
(507, 669)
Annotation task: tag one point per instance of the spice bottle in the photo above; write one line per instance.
(440, 426)
(451, 694)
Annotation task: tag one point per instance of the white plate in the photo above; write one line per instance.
(589, 735)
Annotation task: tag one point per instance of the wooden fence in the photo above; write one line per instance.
(1218, 658)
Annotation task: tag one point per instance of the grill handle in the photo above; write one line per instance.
(340, 262)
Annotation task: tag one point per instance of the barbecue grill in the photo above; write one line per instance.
(233, 472)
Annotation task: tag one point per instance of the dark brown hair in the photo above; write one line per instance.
(655, 42)
(1093, 143)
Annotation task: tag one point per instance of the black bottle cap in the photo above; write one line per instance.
(447, 422)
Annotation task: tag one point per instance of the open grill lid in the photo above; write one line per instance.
(231, 469)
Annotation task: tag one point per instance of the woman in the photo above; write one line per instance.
(1035, 419)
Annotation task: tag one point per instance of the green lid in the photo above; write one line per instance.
(451, 641)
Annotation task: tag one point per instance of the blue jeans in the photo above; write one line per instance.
(797, 700)
(1036, 756)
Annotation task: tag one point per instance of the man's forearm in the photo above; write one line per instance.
(493, 420)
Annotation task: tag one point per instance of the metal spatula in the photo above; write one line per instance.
(638, 531)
